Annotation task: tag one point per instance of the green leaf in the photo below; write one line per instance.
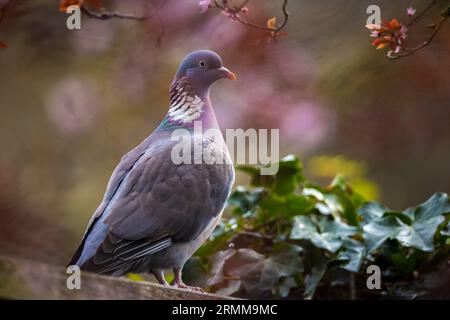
(288, 176)
(287, 206)
(339, 183)
(372, 210)
(400, 215)
(419, 233)
(313, 279)
(326, 234)
(315, 192)
(251, 170)
(425, 220)
(334, 202)
(299, 204)
(404, 262)
(256, 178)
(245, 199)
(285, 181)
(336, 227)
(285, 285)
(379, 230)
(285, 257)
(217, 264)
(353, 253)
(256, 272)
(342, 198)
(315, 262)
(446, 231)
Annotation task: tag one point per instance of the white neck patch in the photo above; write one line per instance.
(185, 108)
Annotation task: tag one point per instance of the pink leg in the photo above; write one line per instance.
(178, 281)
(159, 275)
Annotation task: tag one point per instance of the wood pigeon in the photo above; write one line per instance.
(156, 213)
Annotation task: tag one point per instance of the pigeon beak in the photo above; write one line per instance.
(224, 72)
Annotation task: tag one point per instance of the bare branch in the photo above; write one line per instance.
(234, 12)
(418, 16)
(427, 41)
(435, 26)
(106, 15)
(286, 16)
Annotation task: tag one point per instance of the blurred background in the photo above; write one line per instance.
(73, 102)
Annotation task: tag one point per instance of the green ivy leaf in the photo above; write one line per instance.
(326, 234)
(446, 231)
(400, 215)
(419, 233)
(353, 253)
(312, 281)
(285, 181)
(425, 220)
(379, 230)
(286, 259)
(245, 199)
(405, 263)
(285, 286)
(343, 193)
(316, 265)
(256, 179)
(287, 206)
(256, 272)
(371, 210)
(289, 175)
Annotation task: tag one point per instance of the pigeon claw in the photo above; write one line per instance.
(182, 285)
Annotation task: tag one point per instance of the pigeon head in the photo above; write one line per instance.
(201, 69)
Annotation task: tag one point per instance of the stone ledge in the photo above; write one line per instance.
(26, 279)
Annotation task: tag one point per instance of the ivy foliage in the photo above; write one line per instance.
(286, 237)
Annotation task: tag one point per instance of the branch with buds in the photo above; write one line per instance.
(393, 34)
(100, 13)
(106, 15)
(235, 12)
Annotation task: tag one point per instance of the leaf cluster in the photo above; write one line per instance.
(286, 237)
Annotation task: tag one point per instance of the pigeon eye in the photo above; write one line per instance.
(202, 63)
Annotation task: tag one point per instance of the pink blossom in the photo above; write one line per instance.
(410, 11)
(230, 14)
(204, 5)
(402, 33)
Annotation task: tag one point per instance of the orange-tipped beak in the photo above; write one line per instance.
(227, 73)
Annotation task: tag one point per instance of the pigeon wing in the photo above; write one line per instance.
(160, 203)
(120, 172)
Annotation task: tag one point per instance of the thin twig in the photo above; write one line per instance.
(286, 17)
(106, 15)
(436, 27)
(234, 11)
(418, 16)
